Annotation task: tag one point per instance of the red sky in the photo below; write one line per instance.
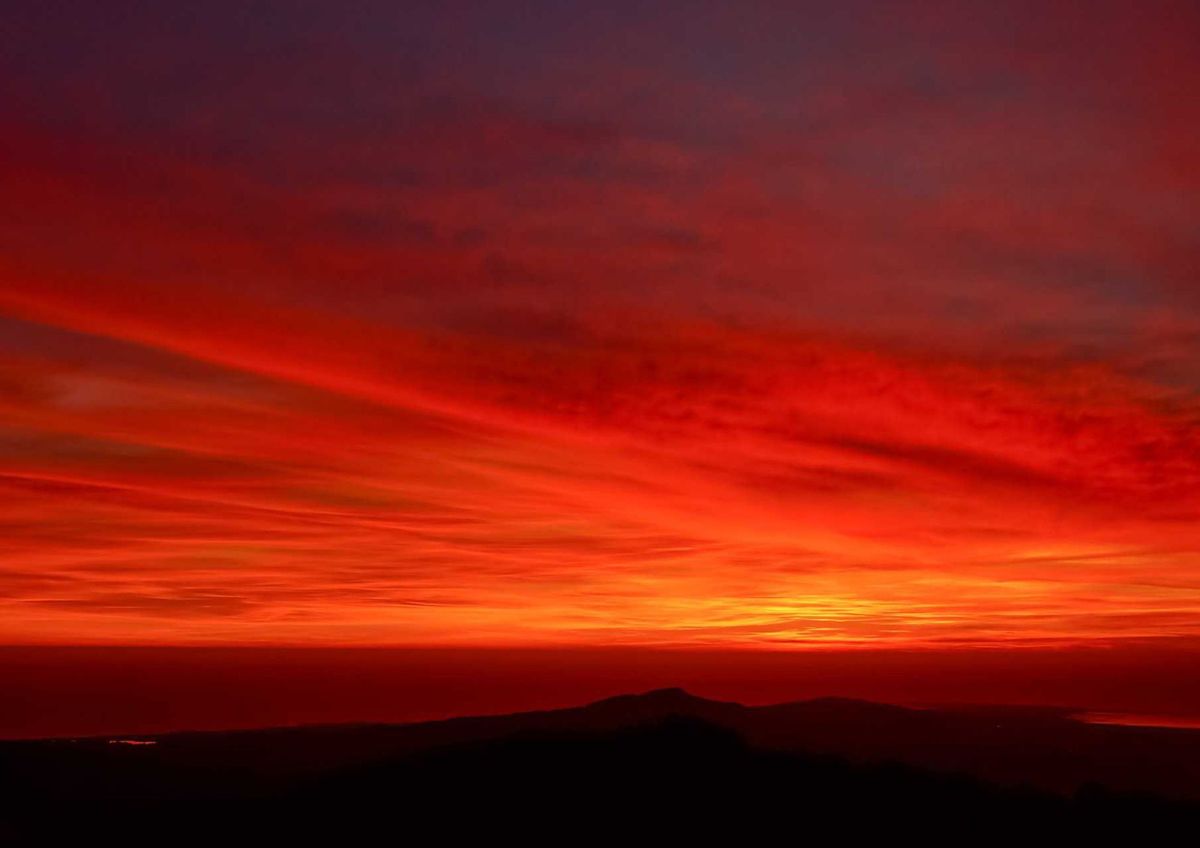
(735, 326)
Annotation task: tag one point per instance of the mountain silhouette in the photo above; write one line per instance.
(666, 756)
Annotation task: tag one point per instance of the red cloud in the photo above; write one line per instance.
(831, 354)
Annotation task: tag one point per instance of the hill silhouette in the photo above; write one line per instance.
(664, 759)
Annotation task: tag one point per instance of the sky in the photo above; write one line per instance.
(741, 327)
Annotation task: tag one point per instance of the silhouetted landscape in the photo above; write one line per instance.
(661, 760)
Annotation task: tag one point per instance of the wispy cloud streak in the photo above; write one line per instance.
(888, 344)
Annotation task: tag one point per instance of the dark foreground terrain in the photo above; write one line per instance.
(660, 766)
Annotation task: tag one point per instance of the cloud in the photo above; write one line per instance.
(345, 346)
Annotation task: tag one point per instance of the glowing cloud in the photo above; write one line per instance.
(883, 333)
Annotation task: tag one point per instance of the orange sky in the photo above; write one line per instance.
(735, 326)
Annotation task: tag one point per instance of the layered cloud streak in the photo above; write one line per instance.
(367, 341)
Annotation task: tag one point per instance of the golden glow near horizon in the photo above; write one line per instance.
(362, 357)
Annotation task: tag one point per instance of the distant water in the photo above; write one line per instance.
(122, 693)
(1141, 720)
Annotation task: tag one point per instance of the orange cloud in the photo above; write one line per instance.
(911, 366)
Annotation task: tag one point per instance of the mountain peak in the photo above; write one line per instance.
(666, 696)
(671, 699)
(668, 693)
